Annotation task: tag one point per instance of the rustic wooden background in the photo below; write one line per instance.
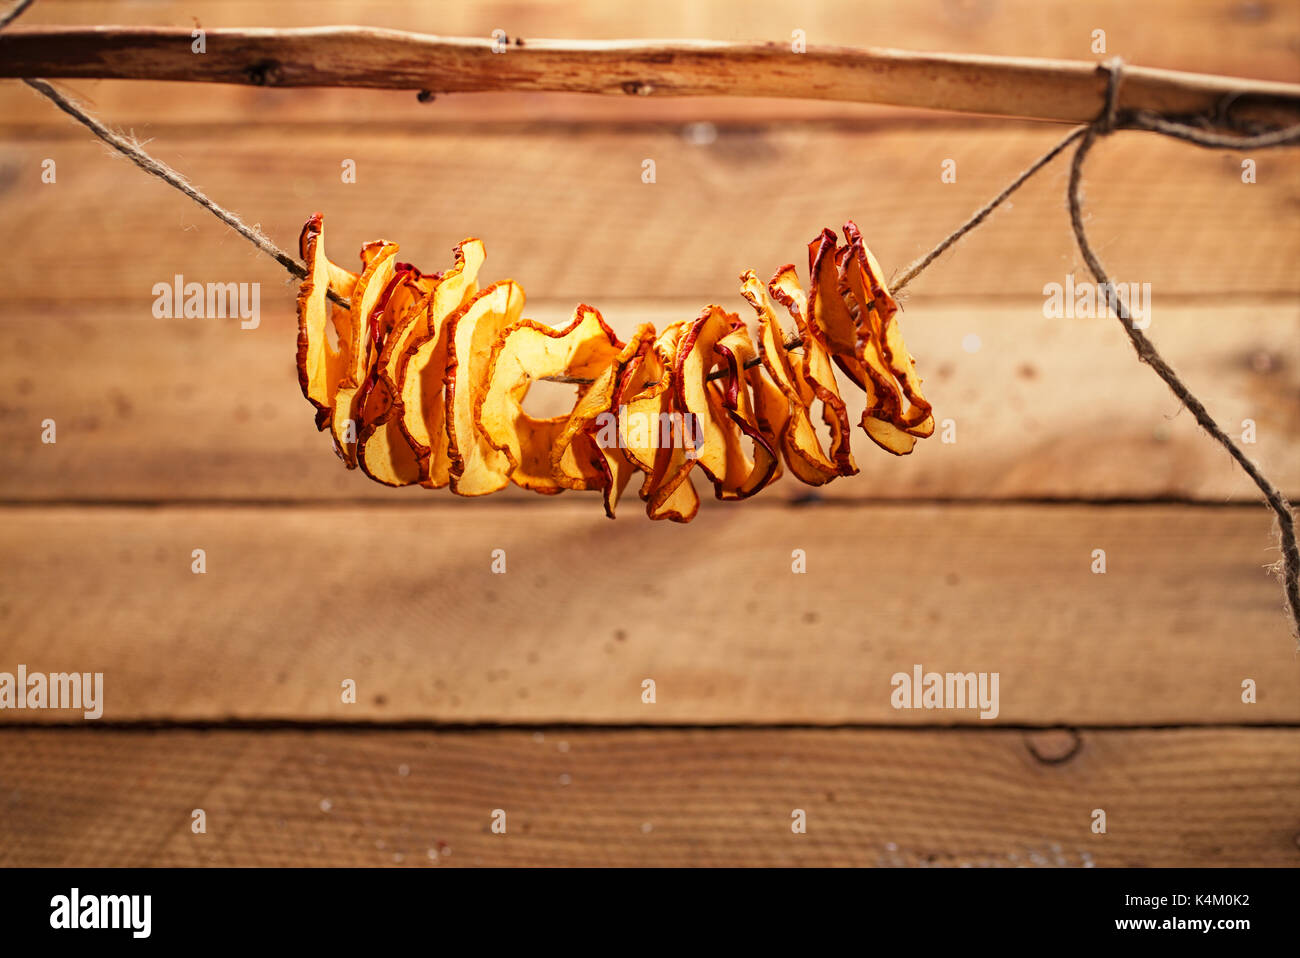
(522, 691)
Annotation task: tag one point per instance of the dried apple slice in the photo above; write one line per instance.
(370, 252)
(771, 412)
(418, 362)
(787, 412)
(384, 452)
(477, 467)
(763, 407)
(356, 350)
(527, 351)
(826, 307)
(620, 466)
(813, 369)
(721, 411)
(320, 362)
(587, 453)
(881, 347)
(858, 355)
(423, 379)
(652, 434)
(644, 381)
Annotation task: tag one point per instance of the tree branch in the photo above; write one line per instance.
(1064, 90)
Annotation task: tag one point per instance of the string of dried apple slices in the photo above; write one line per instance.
(424, 377)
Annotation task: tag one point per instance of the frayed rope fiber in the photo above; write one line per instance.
(1110, 120)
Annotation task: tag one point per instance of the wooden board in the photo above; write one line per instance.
(177, 435)
(568, 215)
(1217, 36)
(649, 798)
(403, 602)
(185, 410)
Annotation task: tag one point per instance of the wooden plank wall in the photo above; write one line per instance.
(524, 691)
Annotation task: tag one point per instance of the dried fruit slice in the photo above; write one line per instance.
(859, 356)
(771, 412)
(813, 371)
(320, 362)
(424, 378)
(652, 434)
(621, 465)
(880, 346)
(721, 411)
(477, 467)
(384, 452)
(370, 251)
(526, 351)
(356, 350)
(420, 362)
(826, 307)
(783, 401)
(587, 453)
(769, 405)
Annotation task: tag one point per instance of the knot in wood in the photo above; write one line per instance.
(265, 73)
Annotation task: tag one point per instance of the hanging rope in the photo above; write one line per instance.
(1146, 350)
(155, 167)
(1109, 121)
(14, 12)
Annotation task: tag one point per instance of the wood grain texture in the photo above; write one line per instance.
(306, 587)
(648, 798)
(568, 215)
(1218, 36)
(402, 601)
(1066, 91)
(184, 410)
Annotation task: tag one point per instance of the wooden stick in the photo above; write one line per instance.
(1063, 90)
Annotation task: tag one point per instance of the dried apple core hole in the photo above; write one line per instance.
(546, 400)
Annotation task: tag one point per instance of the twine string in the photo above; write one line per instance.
(14, 12)
(1108, 121)
(132, 150)
(981, 214)
(1146, 350)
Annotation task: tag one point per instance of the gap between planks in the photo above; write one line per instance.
(149, 726)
